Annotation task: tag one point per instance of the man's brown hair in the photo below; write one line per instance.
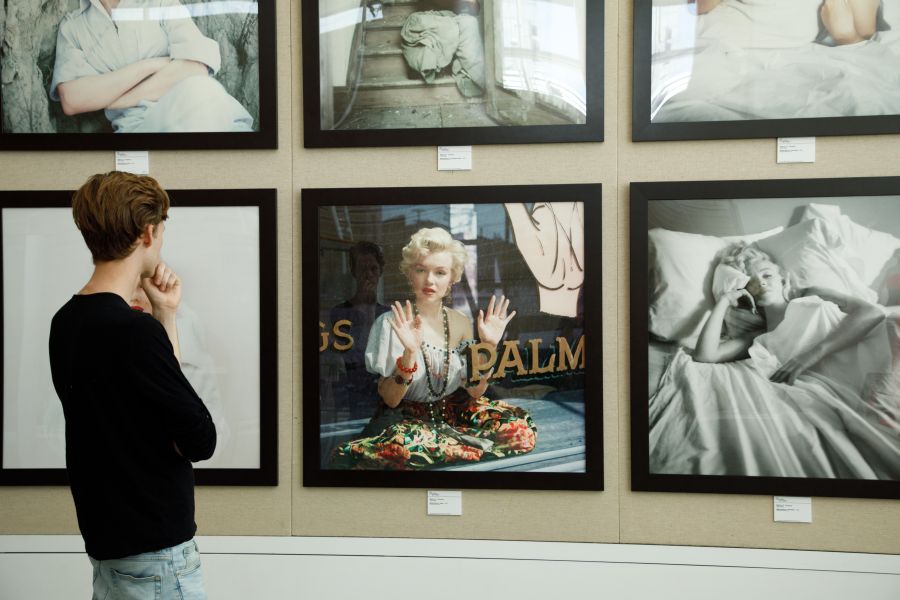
(112, 209)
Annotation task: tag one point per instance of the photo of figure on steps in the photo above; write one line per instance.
(434, 64)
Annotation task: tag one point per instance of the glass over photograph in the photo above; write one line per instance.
(221, 334)
(431, 65)
(452, 337)
(723, 60)
(709, 69)
(451, 63)
(130, 67)
(774, 338)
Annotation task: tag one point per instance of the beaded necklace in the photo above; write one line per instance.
(446, 370)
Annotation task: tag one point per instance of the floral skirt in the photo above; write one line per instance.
(472, 430)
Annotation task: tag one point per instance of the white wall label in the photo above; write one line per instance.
(133, 162)
(793, 509)
(796, 150)
(454, 158)
(444, 503)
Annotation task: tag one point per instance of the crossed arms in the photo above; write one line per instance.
(147, 79)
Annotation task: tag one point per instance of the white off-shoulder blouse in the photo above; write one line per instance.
(384, 347)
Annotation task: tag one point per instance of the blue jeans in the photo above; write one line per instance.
(167, 574)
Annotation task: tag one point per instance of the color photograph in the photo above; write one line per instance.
(452, 337)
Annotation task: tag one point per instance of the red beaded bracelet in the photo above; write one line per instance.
(404, 369)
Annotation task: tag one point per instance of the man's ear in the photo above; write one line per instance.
(146, 237)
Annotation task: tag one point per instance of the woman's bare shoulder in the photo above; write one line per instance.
(460, 325)
(456, 317)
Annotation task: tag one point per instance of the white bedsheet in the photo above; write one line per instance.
(839, 419)
(725, 81)
(762, 23)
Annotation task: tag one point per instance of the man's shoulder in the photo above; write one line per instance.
(105, 311)
(74, 17)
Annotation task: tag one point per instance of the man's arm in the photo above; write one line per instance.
(189, 421)
(155, 86)
(163, 289)
(170, 398)
(96, 92)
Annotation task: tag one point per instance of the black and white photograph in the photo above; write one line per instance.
(425, 72)
(104, 74)
(215, 241)
(451, 345)
(707, 69)
(766, 337)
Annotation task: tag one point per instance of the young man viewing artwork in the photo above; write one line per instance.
(133, 422)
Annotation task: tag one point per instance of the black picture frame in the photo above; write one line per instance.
(644, 129)
(265, 136)
(702, 207)
(315, 136)
(412, 203)
(264, 200)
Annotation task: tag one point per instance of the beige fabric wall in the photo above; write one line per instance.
(614, 515)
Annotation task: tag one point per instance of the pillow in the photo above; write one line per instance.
(869, 252)
(810, 251)
(680, 275)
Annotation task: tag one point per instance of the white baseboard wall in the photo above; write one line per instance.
(271, 568)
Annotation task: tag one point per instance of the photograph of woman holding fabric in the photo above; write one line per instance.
(772, 346)
(478, 363)
(130, 67)
(808, 357)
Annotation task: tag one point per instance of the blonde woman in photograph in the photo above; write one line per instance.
(429, 414)
(808, 392)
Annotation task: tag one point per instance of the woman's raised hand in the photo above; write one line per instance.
(492, 324)
(733, 296)
(407, 325)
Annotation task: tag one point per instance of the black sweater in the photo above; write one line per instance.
(126, 401)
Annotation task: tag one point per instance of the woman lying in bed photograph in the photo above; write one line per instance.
(782, 383)
(738, 60)
(846, 21)
(768, 291)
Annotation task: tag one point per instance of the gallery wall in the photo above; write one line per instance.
(615, 515)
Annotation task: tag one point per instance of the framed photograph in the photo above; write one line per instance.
(765, 337)
(164, 75)
(451, 72)
(710, 69)
(227, 331)
(453, 329)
